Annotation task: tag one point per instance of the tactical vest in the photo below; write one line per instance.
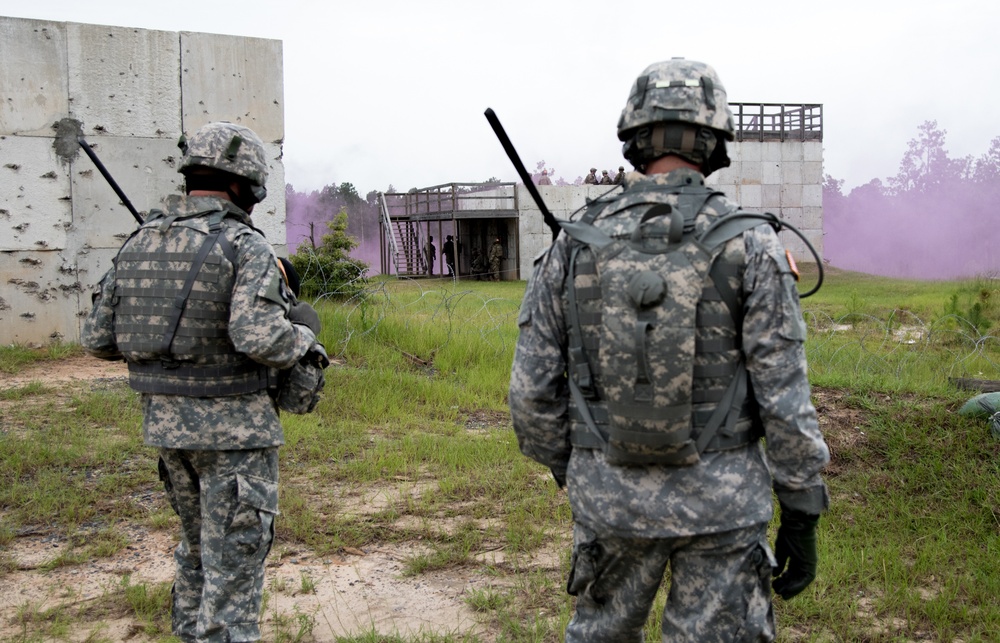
(173, 284)
(656, 369)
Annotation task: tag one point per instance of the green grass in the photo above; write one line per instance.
(15, 357)
(412, 445)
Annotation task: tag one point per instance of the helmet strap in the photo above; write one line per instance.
(697, 144)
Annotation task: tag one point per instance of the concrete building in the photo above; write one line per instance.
(777, 166)
(133, 92)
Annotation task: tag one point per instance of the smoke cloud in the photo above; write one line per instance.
(937, 218)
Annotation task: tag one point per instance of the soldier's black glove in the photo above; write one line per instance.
(560, 476)
(303, 313)
(795, 548)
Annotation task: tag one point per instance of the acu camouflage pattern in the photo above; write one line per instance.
(638, 294)
(258, 328)
(720, 588)
(219, 461)
(708, 521)
(302, 385)
(726, 490)
(195, 357)
(677, 90)
(226, 147)
(227, 502)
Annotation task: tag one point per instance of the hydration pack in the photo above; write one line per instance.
(637, 291)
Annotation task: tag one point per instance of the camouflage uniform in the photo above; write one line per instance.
(708, 520)
(218, 454)
(605, 178)
(591, 179)
(430, 253)
(496, 257)
(544, 179)
(620, 177)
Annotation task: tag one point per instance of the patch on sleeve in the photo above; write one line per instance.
(273, 288)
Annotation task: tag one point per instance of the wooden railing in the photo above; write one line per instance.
(778, 121)
(451, 198)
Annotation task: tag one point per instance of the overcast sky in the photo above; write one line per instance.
(381, 92)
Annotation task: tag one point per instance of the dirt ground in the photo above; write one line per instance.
(354, 591)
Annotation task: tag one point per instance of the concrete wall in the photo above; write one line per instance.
(785, 178)
(134, 91)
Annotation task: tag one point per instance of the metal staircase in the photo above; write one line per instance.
(405, 243)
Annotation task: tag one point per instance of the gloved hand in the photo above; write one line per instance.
(303, 313)
(796, 548)
(559, 474)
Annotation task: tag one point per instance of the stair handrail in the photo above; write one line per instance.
(390, 233)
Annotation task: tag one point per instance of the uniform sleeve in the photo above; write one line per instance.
(538, 389)
(258, 319)
(98, 334)
(774, 336)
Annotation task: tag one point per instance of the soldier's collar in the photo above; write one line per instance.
(679, 177)
(187, 206)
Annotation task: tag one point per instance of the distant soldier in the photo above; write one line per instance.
(605, 178)
(496, 256)
(449, 254)
(545, 180)
(592, 177)
(430, 254)
(620, 177)
(478, 264)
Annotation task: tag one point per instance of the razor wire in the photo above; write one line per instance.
(852, 343)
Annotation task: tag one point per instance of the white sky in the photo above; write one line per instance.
(381, 92)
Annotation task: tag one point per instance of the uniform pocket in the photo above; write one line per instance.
(251, 530)
(758, 624)
(585, 568)
(168, 485)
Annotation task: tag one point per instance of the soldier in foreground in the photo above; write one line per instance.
(647, 370)
(197, 306)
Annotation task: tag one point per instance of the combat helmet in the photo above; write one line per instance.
(678, 107)
(229, 148)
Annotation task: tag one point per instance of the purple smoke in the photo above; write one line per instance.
(936, 219)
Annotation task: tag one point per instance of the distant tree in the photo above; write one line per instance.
(986, 169)
(328, 270)
(833, 187)
(349, 193)
(926, 165)
(492, 179)
(874, 189)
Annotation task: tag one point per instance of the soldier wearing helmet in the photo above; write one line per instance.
(705, 517)
(196, 305)
(591, 179)
(620, 177)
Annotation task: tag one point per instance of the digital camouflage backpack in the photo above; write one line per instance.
(632, 306)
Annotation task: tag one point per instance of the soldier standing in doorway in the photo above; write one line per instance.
(430, 253)
(495, 258)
